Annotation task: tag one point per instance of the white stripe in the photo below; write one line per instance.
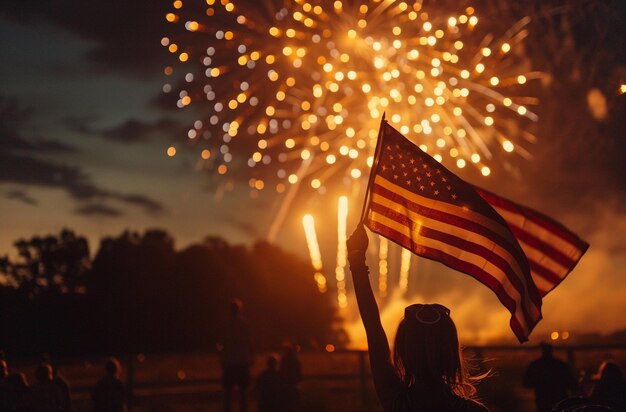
(544, 260)
(543, 285)
(528, 225)
(463, 255)
(462, 212)
(452, 229)
(459, 232)
(509, 290)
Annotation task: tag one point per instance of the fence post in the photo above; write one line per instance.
(363, 377)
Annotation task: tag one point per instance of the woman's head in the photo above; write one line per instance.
(427, 350)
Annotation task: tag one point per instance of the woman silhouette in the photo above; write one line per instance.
(427, 372)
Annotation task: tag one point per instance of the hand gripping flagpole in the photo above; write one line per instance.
(379, 146)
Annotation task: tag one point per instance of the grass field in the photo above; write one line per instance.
(337, 381)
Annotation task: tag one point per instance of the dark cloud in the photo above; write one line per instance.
(81, 124)
(131, 131)
(22, 197)
(96, 209)
(48, 145)
(31, 171)
(134, 130)
(14, 142)
(127, 33)
(145, 202)
(23, 161)
(12, 115)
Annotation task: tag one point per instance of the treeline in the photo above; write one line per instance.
(139, 294)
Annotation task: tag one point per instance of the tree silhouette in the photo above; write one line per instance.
(128, 287)
(50, 264)
(144, 296)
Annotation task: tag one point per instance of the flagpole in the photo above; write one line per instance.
(374, 166)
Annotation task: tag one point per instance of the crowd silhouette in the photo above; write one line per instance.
(406, 379)
(51, 392)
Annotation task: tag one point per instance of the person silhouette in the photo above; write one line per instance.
(550, 378)
(17, 394)
(4, 389)
(64, 388)
(109, 394)
(427, 372)
(269, 387)
(45, 395)
(290, 372)
(4, 371)
(236, 356)
(610, 389)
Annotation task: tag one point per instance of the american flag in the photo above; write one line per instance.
(419, 204)
(552, 250)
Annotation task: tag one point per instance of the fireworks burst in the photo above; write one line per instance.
(290, 95)
(292, 92)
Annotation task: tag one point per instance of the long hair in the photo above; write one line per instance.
(426, 351)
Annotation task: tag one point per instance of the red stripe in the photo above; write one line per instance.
(542, 292)
(544, 221)
(543, 247)
(463, 244)
(544, 272)
(445, 217)
(436, 214)
(457, 264)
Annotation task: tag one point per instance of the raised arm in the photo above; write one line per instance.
(386, 380)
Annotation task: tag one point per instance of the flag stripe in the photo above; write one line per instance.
(459, 237)
(543, 272)
(546, 249)
(519, 327)
(552, 250)
(535, 256)
(532, 220)
(445, 223)
(543, 286)
(445, 211)
(487, 227)
(456, 246)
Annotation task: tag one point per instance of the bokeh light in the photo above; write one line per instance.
(282, 85)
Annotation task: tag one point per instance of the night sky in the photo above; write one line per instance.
(84, 134)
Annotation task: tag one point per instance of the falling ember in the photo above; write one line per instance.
(383, 250)
(314, 250)
(340, 274)
(308, 83)
(405, 266)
